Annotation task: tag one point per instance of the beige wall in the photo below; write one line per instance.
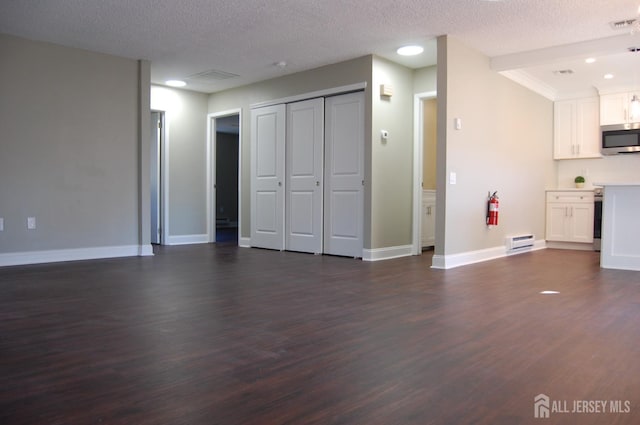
(186, 146)
(505, 145)
(69, 147)
(429, 136)
(615, 168)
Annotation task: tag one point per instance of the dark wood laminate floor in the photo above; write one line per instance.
(220, 335)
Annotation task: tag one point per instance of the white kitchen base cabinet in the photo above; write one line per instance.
(576, 130)
(570, 216)
(428, 218)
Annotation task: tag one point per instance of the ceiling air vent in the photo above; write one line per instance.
(625, 23)
(211, 76)
(563, 72)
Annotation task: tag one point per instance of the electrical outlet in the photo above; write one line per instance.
(31, 223)
(1, 224)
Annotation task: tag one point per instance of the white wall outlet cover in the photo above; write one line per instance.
(453, 178)
(457, 123)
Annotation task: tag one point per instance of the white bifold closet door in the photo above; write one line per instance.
(307, 176)
(267, 177)
(304, 176)
(344, 175)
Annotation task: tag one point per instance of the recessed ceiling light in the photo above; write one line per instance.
(175, 83)
(410, 50)
(549, 292)
(608, 76)
(590, 60)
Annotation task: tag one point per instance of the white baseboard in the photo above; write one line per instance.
(187, 239)
(570, 245)
(75, 254)
(471, 257)
(244, 242)
(387, 253)
(145, 250)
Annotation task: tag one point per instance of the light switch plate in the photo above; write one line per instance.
(31, 223)
(1, 224)
(453, 178)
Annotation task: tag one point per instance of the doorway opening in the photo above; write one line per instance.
(224, 169)
(424, 161)
(157, 176)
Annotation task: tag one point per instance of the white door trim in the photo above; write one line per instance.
(164, 175)
(418, 124)
(306, 96)
(211, 175)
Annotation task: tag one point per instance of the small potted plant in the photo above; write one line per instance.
(579, 182)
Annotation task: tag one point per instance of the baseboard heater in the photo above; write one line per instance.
(518, 242)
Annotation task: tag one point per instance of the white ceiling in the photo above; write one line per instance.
(248, 37)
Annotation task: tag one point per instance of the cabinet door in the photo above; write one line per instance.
(614, 108)
(429, 228)
(557, 227)
(588, 128)
(564, 129)
(581, 223)
(634, 109)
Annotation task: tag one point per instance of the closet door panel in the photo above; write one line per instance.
(267, 177)
(304, 170)
(344, 175)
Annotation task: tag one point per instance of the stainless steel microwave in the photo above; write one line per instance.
(621, 138)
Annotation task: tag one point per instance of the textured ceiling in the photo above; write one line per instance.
(247, 37)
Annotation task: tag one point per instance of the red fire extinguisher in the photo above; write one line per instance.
(492, 209)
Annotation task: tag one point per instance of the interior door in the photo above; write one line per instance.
(304, 176)
(267, 176)
(344, 175)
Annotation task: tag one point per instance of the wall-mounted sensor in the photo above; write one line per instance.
(386, 90)
(384, 134)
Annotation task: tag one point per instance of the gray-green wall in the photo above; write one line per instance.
(69, 147)
(392, 159)
(186, 162)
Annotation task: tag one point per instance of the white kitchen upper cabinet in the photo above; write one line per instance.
(615, 108)
(576, 129)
